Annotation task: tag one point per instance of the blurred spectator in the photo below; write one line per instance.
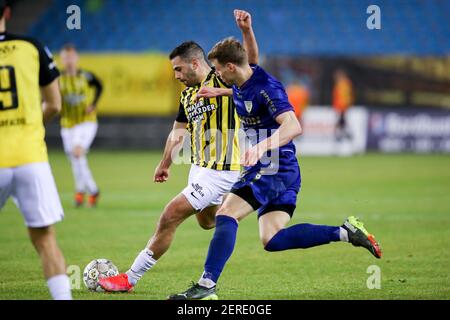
(298, 95)
(342, 100)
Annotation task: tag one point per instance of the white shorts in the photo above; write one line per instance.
(82, 134)
(206, 187)
(34, 192)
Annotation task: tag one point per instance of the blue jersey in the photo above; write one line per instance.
(275, 180)
(259, 101)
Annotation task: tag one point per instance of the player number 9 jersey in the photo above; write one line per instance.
(25, 66)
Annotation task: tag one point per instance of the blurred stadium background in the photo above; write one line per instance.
(400, 76)
(400, 73)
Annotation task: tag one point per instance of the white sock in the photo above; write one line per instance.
(87, 176)
(59, 287)
(343, 234)
(77, 170)
(206, 282)
(143, 262)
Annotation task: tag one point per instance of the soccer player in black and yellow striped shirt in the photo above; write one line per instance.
(27, 74)
(79, 121)
(213, 126)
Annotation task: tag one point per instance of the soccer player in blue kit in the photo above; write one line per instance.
(271, 178)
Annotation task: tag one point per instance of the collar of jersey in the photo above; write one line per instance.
(207, 78)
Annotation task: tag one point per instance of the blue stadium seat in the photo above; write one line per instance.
(282, 27)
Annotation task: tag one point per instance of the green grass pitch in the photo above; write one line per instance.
(403, 199)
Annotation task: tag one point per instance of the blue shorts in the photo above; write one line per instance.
(271, 192)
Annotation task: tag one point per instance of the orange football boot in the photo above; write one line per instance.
(79, 199)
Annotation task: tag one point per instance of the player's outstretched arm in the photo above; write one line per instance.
(288, 130)
(244, 22)
(51, 97)
(173, 144)
(212, 92)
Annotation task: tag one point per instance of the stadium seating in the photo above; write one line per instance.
(325, 27)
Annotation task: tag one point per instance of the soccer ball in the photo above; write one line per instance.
(98, 269)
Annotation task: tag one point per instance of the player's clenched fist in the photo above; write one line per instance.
(161, 174)
(243, 19)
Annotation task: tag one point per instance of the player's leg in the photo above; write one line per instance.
(86, 132)
(222, 244)
(175, 212)
(275, 237)
(52, 259)
(271, 223)
(67, 135)
(207, 217)
(34, 191)
(206, 192)
(205, 188)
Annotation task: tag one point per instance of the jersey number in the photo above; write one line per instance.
(8, 89)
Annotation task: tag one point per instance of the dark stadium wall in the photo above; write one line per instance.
(121, 133)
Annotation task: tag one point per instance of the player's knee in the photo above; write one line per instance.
(224, 210)
(78, 152)
(265, 241)
(266, 238)
(207, 224)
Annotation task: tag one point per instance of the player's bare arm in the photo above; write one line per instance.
(174, 142)
(244, 22)
(211, 92)
(51, 97)
(288, 130)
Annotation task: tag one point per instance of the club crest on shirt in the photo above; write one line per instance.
(248, 106)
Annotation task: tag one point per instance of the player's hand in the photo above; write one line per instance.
(252, 156)
(161, 174)
(243, 19)
(211, 92)
(90, 109)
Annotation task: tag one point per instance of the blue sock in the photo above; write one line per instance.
(221, 247)
(303, 236)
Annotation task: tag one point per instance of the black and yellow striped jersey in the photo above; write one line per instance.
(77, 96)
(25, 66)
(213, 125)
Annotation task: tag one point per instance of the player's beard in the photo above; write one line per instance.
(191, 78)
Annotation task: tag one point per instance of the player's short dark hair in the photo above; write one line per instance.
(69, 47)
(229, 50)
(188, 50)
(3, 5)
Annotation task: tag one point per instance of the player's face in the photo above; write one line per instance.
(69, 59)
(184, 71)
(225, 72)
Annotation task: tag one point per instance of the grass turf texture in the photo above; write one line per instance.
(403, 200)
